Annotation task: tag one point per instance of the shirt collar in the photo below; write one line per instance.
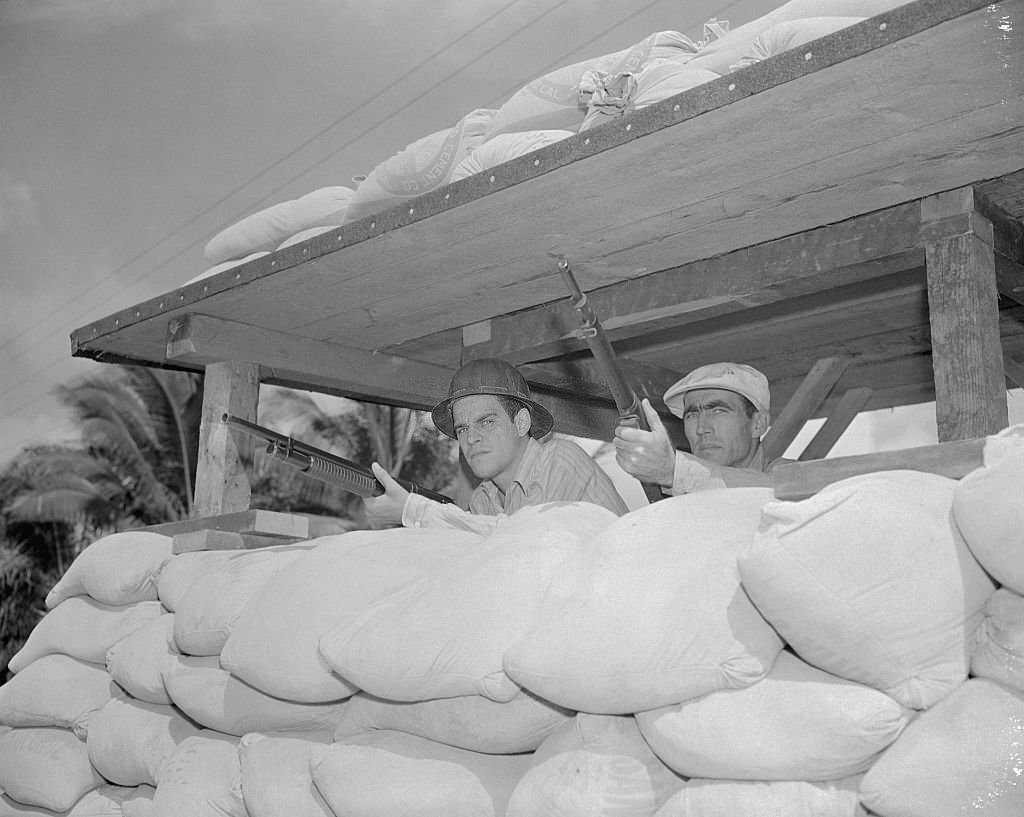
(523, 470)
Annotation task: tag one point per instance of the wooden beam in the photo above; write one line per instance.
(222, 484)
(970, 391)
(259, 522)
(799, 480)
(839, 419)
(315, 364)
(803, 404)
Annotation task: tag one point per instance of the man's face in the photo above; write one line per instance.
(490, 440)
(716, 424)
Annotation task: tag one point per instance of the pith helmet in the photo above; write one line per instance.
(490, 376)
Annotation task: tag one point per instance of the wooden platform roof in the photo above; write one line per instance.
(772, 216)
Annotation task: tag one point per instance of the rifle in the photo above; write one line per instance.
(626, 401)
(324, 466)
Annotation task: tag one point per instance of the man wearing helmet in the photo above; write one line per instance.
(725, 412)
(499, 428)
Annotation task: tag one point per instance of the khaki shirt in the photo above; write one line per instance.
(695, 474)
(557, 469)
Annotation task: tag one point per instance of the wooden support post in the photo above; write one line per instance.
(222, 485)
(967, 360)
(806, 400)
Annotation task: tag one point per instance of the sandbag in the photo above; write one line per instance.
(553, 100)
(185, 569)
(420, 167)
(211, 696)
(264, 230)
(754, 798)
(960, 757)
(615, 95)
(46, 767)
(445, 634)
(137, 661)
(721, 54)
(790, 34)
(504, 148)
(201, 778)
(869, 580)
(121, 568)
(84, 629)
(274, 643)
(988, 506)
(384, 774)
(205, 615)
(798, 723)
(129, 741)
(999, 652)
(468, 722)
(304, 235)
(55, 690)
(104, 801)
(595, 764)
(139, 803)
(650, 612)
(276, 778)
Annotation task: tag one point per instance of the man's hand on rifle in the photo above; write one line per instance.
(389, 505)
(647, 455)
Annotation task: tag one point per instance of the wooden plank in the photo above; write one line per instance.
(254, 521)
(225, 540)
(200, 339)
(222, 484)
(699, 174)
(799, 480)
(839, 419)
(802, 405)
(970, 392)
(1014, 370)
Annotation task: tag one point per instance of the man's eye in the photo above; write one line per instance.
(488, 422)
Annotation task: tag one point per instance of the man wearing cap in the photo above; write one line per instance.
(725, 411)
(499, 427)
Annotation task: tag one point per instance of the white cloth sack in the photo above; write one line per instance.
(615, 95)
(45, 766)
(988, 506)
(118, 569)
(129, 741)
(999, 653)
(276, 779)
(185, 569)
(84, 629)
(869, 580)
(553, 101)
(139, 803)
(755, 798)
(201, 778)
(205, 615)
(264, 230)
(55, 690)
(138, 660)
(798, 723)
(504, 148)
(209, 272)
(721, 54)
(104, 801)
(420, 167)
(650, 612)
(445, 635)
(595, 764)
(963, 756)
(468, 722)
(274, 644)
(790, 34)
(384, 774)
(211, 696)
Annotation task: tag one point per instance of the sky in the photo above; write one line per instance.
(133, 131)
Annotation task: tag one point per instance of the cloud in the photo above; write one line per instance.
(17, 207)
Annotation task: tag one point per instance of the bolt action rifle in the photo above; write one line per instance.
(590, 330)
(324, 466)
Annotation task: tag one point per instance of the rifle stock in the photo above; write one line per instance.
(324, 466)
(626, 401)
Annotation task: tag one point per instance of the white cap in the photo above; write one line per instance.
(737, 377)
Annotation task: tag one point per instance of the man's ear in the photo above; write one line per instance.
(523, 421)
(759, 423)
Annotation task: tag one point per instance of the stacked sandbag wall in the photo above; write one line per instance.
(719, 653)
